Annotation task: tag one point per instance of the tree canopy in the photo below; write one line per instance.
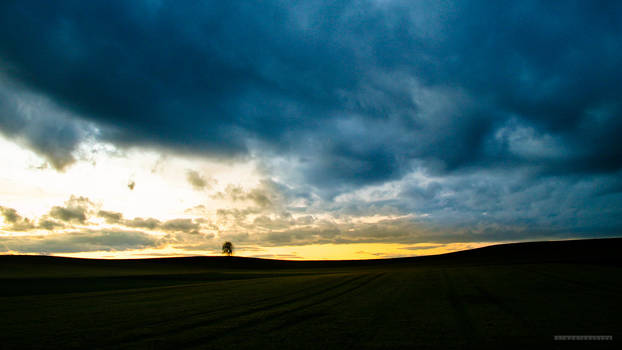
(227, 248)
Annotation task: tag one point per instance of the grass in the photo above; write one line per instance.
(515, 295)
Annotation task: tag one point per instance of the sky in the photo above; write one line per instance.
(307, 129)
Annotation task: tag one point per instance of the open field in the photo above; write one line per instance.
(517, 295)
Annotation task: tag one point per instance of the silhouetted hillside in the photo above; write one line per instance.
(606, 250)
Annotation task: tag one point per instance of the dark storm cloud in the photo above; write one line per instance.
(357, 88)
(15, 221)
(68, 214)
(198, 181)
(34, 122)
(76, 210)
(267, 195)
(148, 223)
(181, 225)
(173, 225)
(49, 224)
(111, 217)
(10, 215)
(396, 230)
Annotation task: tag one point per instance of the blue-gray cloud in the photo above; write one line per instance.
(208, 76)
(35, 122)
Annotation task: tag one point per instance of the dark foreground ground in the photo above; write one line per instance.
(509, 296)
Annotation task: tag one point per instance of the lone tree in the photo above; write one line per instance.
(227, 248)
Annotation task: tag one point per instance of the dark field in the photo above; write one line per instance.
(514, 295)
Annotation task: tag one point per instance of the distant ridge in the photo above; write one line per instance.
(598, 250)
(602, 250)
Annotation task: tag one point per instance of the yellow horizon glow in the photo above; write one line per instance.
(351, 251)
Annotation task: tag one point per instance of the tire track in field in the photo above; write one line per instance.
(500, 303)
(276, 315)
(376, 318)
(288, 323)
(215, 310)
(255, 310)
(593, 287)
(464, 323)
(133, 338)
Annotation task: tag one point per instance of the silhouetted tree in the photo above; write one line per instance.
(227, 248)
